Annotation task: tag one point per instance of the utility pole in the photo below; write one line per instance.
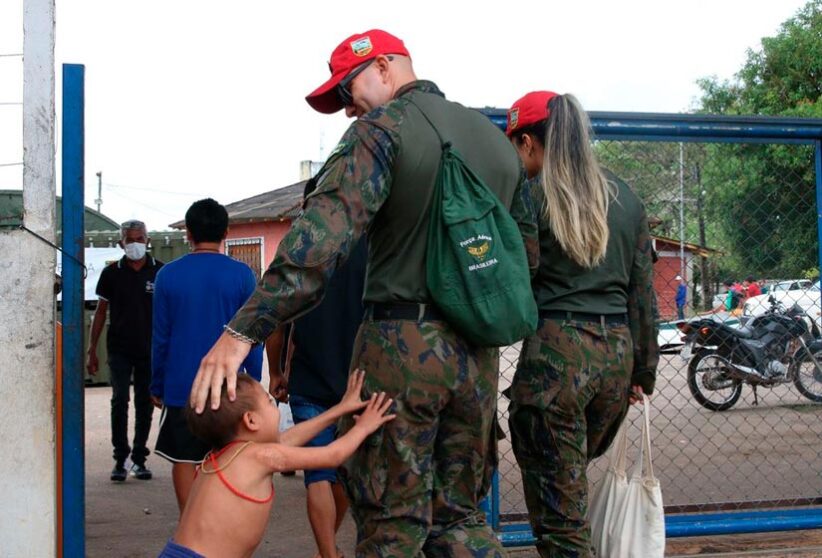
(707, 298)
(99, 200)
(682, 269)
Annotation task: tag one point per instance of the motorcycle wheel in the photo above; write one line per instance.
(807, 379)
(709, 384)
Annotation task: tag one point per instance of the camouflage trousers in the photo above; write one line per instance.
(569, 396)
(415, 485)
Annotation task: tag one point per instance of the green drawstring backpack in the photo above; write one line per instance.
(478, 273)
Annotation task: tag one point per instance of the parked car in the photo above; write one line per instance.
(807, 297)
(794, 285)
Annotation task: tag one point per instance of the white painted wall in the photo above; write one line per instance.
(27, 459)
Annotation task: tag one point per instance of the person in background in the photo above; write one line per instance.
(681, 297)
(751, 286)
(595, 349)
(194, 296)
(318, 348)
(127, 287)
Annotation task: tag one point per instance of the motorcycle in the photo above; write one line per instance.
(781, 346)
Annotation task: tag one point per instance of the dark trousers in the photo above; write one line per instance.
(680, 311)
(122, 368)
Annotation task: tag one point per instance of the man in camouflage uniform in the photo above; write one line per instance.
(415, 486)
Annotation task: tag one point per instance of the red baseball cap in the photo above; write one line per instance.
(350, 53)
(528, 110)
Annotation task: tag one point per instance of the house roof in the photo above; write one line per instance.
(11, 213)
(276, 205)
(696, 249)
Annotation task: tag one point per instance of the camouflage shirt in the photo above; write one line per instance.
(352, 188)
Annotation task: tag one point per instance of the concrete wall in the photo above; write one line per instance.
(27, 462)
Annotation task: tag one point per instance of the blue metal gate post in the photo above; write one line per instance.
(73, 408)
(818, 173)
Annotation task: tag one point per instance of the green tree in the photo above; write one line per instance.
(764, 196)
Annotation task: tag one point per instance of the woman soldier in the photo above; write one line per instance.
(595, 349)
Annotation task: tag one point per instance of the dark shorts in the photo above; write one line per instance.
(175, 442)
(174, 550)
(302, 410)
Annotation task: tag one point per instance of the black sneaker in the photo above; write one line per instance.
(140, 472)
(118, 474)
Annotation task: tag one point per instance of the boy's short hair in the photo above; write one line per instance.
(218, 428)
(207, 221)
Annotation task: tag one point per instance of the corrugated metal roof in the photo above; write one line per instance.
(11, 213)
(276, 205)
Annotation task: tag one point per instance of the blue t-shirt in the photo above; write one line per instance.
(194, 296)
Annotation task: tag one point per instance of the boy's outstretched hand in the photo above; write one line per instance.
(374, 414)
(351, 400)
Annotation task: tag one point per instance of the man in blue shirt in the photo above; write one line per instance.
(194, 296)
(681, 298)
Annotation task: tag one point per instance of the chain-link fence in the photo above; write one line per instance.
(736, 418)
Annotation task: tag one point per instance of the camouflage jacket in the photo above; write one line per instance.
(352, 187)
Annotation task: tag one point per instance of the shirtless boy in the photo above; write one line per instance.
(230, 502)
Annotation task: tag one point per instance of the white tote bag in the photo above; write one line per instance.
(626, 514)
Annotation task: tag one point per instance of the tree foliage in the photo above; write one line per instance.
(764, 196)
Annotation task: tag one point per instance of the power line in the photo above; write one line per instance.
(11, 54)
(11, 164)
(7, 103)
(160, 191)
(147, 206)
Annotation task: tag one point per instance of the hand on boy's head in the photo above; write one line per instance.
(219, 365)
(351, 400)
(374, 414)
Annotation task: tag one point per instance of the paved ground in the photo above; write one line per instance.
(748, 453)
(751, 453)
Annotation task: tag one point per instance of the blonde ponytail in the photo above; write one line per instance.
(577, 193)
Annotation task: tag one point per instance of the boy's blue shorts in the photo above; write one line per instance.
(174, 550)
(302, 410)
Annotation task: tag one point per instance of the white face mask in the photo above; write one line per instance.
(135, 251)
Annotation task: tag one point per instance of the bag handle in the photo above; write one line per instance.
(644, 467)
(620, 451)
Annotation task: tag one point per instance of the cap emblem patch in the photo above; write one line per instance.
(362, 47)
(513, 118)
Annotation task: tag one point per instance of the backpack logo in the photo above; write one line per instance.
(362, 47)
(477, 246)
(513, 118)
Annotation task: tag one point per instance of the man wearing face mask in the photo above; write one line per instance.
(127, 287)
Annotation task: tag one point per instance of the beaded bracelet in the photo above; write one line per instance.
(237, 335)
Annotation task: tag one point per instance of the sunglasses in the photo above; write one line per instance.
(344, 87)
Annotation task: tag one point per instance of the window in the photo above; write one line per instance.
(247, 250)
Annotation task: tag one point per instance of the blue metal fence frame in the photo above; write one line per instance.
(73, 405)
(633, 126)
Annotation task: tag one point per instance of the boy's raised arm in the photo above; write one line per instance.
(279, 457)
(302, 433)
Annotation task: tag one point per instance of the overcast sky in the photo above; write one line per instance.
(188, 99)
